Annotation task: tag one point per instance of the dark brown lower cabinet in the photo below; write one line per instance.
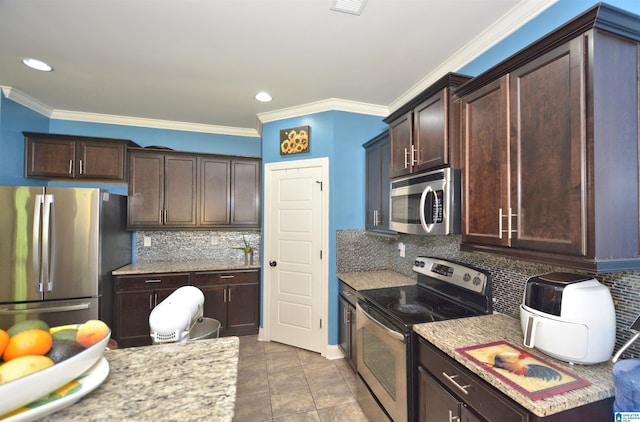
(233, 298)
(347, 324)
(447, 391)
(135, 297)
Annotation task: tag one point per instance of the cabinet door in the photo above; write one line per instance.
(243, 308)
(548, 152)
(100, 160)
(245, 193)
(344, 328)
(485, 167)
(400, 132)
(131, 317)
(215, 191)
(430, 138)
(180, 190)
(435, 404)
(215, 303)
(46, 157)
(146, 189)
(374, 182)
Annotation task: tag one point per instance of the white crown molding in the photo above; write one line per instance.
(331, 104)
(152, 123)
(506, 25)
(27, 101)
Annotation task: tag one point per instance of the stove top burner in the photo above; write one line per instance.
(410, 308)
(451, 310)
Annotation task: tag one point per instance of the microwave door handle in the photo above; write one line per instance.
(423, 219)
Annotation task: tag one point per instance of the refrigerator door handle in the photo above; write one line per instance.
(66, 308)
(47, 241)
(36, 247)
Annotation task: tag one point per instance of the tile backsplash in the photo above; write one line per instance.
(195, 245)
(357, 250)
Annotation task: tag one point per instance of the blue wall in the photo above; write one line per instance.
(338, 136)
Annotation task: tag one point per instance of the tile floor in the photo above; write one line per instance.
(277, 382)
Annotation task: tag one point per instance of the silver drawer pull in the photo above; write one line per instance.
(153, 281)
(227, 276)
(451, 379)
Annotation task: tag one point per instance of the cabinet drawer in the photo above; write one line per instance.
(150, 281)
(226, 277)
(480, 397)
(348, 293)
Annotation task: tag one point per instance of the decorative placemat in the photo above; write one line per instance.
(532, 376)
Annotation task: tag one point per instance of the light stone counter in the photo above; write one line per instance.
(158, 267)
(365, 280)
(193, 381)
(452, 334)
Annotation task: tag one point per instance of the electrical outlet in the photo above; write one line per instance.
(215, 240)
(147, 241)
(401, 249)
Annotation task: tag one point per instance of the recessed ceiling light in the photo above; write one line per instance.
(37, 64)
(263, 97)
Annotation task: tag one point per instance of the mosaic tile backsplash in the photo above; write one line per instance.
(195, 245)
(357, 250)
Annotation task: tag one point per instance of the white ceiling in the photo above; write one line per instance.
(197, 64)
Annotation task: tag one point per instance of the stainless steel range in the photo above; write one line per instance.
(386, 344)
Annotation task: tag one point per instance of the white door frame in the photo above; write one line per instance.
(323, 163)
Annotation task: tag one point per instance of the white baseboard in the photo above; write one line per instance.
(332, 351)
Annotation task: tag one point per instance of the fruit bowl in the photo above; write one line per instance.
(29, 388)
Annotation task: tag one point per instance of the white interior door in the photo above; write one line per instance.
(295, 268)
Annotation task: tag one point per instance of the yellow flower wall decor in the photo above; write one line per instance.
(294, 140)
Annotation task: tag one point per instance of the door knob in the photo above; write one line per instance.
(273, 263)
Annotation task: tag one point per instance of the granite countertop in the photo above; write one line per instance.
(188, 381)
(452, 334)
(364, 280)
(157, 267)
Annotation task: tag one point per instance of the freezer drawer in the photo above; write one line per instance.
(54, 313)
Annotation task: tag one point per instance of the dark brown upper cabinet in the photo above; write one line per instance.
(378, 157)
(550, 140)
(179, 190)
(162, 190)
(60, 157)
(229, 192)
(425, 132)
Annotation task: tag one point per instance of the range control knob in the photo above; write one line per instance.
(476, 281)
(466, 277)
(419, 263)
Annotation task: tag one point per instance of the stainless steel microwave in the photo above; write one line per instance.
(426, 203)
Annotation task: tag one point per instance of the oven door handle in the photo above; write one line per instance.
(394, 334)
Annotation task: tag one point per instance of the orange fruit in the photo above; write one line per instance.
(4, 340)
(30, 342)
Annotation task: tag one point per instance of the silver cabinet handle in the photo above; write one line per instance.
(227, 276)
(406, 158)
(413, 160)
(451, 379)
(70, 166)
(229, 294)
(155, 280)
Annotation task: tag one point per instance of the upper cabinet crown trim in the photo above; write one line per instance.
(602, 16)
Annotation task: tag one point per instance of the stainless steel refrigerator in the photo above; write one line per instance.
(58, 247)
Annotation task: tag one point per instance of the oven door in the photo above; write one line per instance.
(382, 362)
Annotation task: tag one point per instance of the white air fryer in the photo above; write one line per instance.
(569, 317)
